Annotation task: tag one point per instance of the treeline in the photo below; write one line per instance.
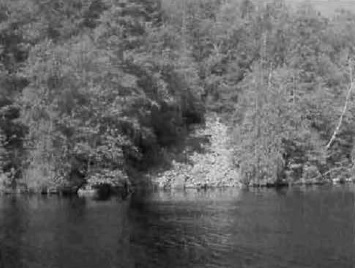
(91, 90)
(295, 113)
(95, 90)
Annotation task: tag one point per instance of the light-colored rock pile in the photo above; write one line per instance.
(211, 168)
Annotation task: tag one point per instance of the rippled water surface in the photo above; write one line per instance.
(302, 227)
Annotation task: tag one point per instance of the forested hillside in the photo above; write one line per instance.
(95, 91)
(326, 7)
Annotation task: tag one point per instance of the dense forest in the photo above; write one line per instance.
(95, 91)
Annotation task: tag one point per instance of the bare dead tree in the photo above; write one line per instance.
(348, 95)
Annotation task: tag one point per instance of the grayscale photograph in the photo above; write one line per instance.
(177, 133)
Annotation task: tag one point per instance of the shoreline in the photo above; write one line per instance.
(95, 192)
(267, 185)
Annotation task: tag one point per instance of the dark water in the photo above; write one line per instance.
(310, 227)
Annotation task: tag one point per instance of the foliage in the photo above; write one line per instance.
(103, 100)
(93, 91)
(286, 121)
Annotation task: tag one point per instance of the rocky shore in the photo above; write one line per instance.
(209, 167)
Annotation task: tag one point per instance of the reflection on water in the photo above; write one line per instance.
(302, 227)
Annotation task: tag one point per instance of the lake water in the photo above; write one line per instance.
(300, 227)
